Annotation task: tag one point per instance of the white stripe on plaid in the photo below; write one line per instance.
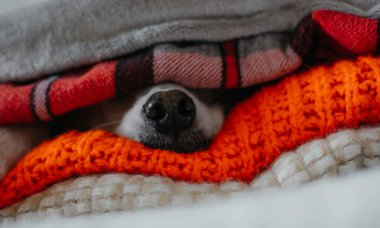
(40, 101)
(259, 67)
(189, 69)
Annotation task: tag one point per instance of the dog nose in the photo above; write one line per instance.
(169, 111)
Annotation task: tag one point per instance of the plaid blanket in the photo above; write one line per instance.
(323, 35)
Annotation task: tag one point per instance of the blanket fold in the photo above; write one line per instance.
(277, 118)
(323, 36)
(38, 41)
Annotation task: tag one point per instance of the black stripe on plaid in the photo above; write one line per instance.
(237, 59)
(134, 71)
(224, 64)
(305, 41)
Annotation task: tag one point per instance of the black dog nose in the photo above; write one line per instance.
(169, 111)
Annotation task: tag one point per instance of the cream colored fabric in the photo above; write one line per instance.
(16, 140)
(351, 201)
(340, 153)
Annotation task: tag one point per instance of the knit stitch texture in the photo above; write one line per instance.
(277, 118)
(338, 154)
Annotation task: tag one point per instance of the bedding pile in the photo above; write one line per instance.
(300, 128)
(322, 36)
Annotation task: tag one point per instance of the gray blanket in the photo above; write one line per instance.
(61, 34)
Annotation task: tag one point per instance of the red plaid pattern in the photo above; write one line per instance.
(322, 36)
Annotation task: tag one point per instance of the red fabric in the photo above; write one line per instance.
(347, 35)
(97, 85)
(232, 72)
(322, 36)
(15, 102)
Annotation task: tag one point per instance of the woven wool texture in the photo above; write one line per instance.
(277, 118)
(340, 153)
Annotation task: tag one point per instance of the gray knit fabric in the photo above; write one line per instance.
(61, 34)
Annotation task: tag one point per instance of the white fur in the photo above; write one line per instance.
(208, 119)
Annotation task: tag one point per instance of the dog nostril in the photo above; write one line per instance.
(155, 111)
(186, 106)
(169, 111)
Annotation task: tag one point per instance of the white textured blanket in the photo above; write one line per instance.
(340, 153)
(348, 202)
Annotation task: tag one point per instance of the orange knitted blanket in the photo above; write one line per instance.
(277, 118)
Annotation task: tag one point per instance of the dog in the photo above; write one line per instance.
(165, 116)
